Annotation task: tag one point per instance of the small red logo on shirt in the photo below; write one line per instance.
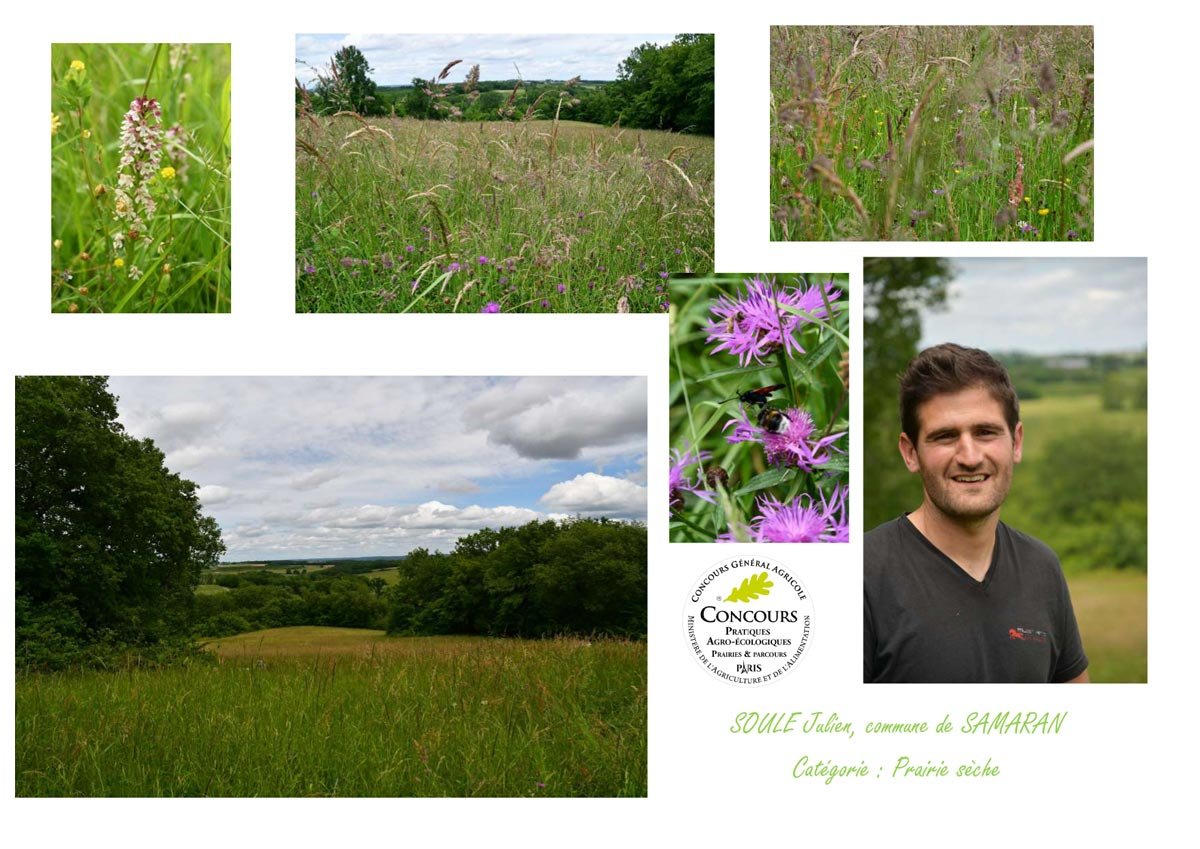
(1027, 635)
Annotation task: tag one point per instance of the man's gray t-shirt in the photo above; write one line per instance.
(925, 620)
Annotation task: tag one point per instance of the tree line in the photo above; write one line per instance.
(580, 577)
(661, 87)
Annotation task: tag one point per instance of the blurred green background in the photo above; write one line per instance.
(1072, 333)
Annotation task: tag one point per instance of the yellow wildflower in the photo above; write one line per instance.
(57, 244)
(118, 263)
(1043, 211)
(77, 65)
(55, 123)
(87, 134)
(1027, 200)
(167, 173)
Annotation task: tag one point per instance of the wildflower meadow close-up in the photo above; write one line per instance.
(140, 192)
(759, 408)
(959, 133)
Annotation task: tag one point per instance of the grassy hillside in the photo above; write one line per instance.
(398, 215)
(345, 712)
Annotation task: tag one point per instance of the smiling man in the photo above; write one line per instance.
(951, 593)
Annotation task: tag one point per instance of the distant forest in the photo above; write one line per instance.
(668, 87)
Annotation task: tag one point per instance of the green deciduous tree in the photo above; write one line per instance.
(109, 543)
(348, 85)
(586, 576)
(668, 88)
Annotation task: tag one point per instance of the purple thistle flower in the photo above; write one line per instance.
(678, 482)
(491, 306)
(756, 325)
(664, 275)
(483, 260)
(409, 248)
(793, 447)
(310, 269)
(453, 267)
(561, 288)
(545, 304)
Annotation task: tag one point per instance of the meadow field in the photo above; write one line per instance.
(140, 178)
(408, 215)
(344, 712)
(932, 133)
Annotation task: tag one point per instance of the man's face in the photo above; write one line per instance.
(964, 452)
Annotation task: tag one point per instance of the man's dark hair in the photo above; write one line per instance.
(952, 368)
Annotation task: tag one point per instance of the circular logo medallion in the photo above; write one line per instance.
(748, 621)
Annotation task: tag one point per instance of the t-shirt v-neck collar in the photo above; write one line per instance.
(981, 586)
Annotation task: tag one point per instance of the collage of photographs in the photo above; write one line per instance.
(279, 532)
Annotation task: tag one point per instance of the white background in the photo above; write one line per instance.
(1118, 771)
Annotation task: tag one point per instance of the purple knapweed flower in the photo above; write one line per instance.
(453, 267)
(678, 482)
(794, 446)
(310, 269)
(761, 322)
(409, 248)
(483, 260)
(491, 306)
(561, 288)
(802, 520)
(545, 304)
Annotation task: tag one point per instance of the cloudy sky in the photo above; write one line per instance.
(346, 467)
(1044, 306)
(397, 59)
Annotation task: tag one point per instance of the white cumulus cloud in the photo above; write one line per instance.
(591, 494)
